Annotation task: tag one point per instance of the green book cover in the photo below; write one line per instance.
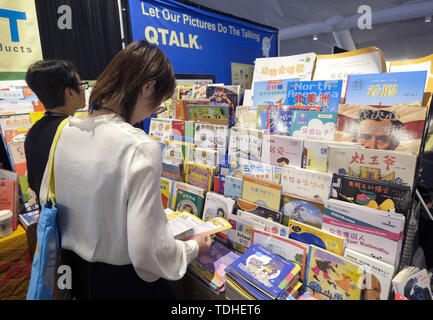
(190, 202)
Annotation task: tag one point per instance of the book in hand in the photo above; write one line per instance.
(333, 276)
(186, 226)
(413, 284)
(265, 272)
(370, 164)
(217, 205)
(320, 238)
(393, 128)
(301, 209)
(378, 275)
(373, 194)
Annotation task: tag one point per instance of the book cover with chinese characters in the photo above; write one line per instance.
(216, 205)
(199, 175)
(373, 232)
(325, 95)
(246, 117)
(316, 153)
(289, 249)
(256, 169)
(16, 97)
(370, 164)
(313, 125)
(272, 92)
(264, 193)
(279, 119)
(413, 283)
(254, 208)
(321, 238)
(396, 128)
(209, 114)
(206, 156)
(306, 183)
(378, 195)
(189, 202)
(386, 89)
(301, 209)
(378, 275)
(282, 150)
(230, 166)
(333, 275)
(265, 271)
(166, 192)
(160, 128)
(211, 136)
(177, 130)
(245, 143)
(177, 151)
(187, 187)
(233, 187)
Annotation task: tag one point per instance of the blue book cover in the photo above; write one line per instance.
(386, 89)
(324, 95)
(272, 92)
(279, 118)
(313, 125)
(265, 271)
(232, 187)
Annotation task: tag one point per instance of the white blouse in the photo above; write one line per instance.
(107, 185)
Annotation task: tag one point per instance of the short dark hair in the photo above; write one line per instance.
(48, 80)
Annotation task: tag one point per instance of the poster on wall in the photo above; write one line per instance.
(20, 44)
(242, 75)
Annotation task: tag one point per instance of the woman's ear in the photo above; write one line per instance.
(148, 89)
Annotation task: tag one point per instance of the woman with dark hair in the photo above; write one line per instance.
(114, 232)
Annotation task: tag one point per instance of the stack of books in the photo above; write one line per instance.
(260, 274)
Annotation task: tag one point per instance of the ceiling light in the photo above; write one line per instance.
(428, 19)
(315, 37)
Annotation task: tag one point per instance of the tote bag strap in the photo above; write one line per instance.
(51, 182)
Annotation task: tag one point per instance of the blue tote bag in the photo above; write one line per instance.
(43, 275)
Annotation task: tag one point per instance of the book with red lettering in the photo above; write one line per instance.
(393, 128)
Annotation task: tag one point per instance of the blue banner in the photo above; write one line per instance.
(199, 41)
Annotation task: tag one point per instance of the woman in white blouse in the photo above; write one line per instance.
(114, 232)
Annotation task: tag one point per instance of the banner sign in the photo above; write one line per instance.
(20, 44)
(200, 41)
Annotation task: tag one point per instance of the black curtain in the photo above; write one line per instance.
(93, 40)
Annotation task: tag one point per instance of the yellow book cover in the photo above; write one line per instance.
(333, 276)
(199, 175)
(308, 234)
(264, 193)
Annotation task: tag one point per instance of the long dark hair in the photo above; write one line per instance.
(120, 83)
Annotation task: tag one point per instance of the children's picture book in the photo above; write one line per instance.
(180, 220)
(216, 205)
(318, 237)
(242, 75)
(187, 187)
(370, 164)
(278, 150)
(373, 232)
(166, 192)
(245, 143)
(177, 130)
(211, 136)
(316, 153)
(160, 128)
(16, 97)
(173, 170)
(184, 92)
(291, 250)
(232, 187)
(378, 195)
(263, 212)
(246, 117)
(413, 284)
(199, 175)
(262, 117)
(378, 275)
(324, 95)
(264, 193)
(265, 271)
(394, 128)
(209, 114)
(256, 169)
(299, 66)
(313, 125)
(189, 202)
(301, 209)
(279, 119)
(206, 156)
(271, 92)
(177, 151)
(333, 275)
(224, 95)
(306, 183)
(387, 89)
(230, 166)
(29, 218)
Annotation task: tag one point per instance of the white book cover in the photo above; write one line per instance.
(373, 232)
(211, 136)
(306, 183)
(256, 169)
(279, 150)
(245, 143)
(216, 205)
(378, 275)
(160, 128)
(206, 156)
(415, 285)
(378, 165)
